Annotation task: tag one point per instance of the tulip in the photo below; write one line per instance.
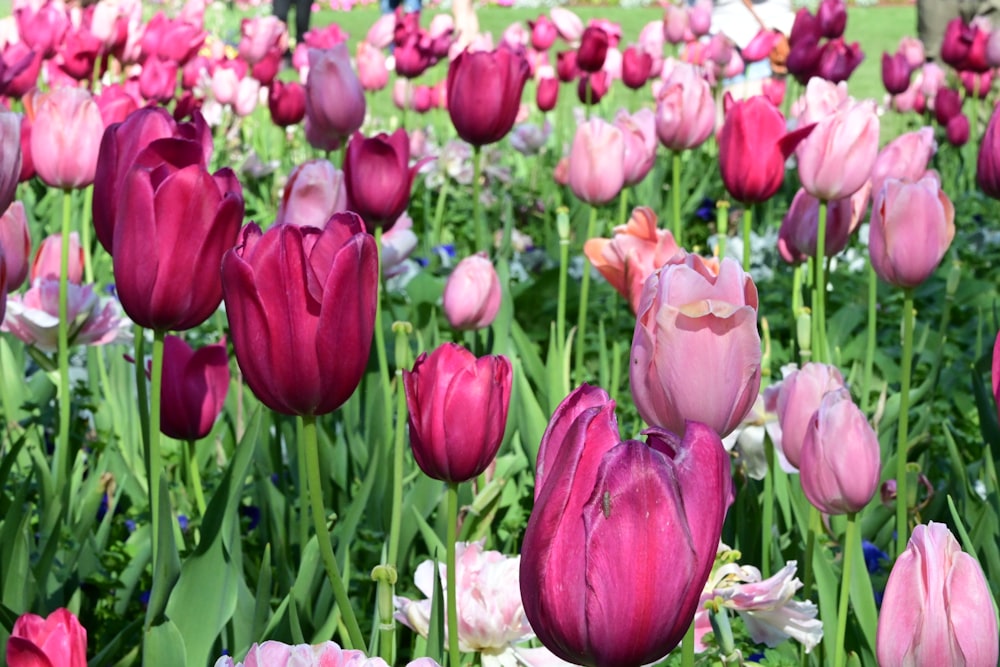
(831, 15)
(158, 80)
(822, 98)
(937, 607)
(313, 193)
(194, 386)
(302, 344)
(484, 93)
(636, 66)
(543, 33)
(566, 68)
(328, 654)
(47, 260)
(19, 69)
(635, 251)
(27, 166)
(597, 162)
(753, 148)
(411, 59)
(287, 102)
(685, 111)
(995, 374)
(42, 29)
(547, 94)
(912, 49)
(78, 53)
(957, 130)
(115, 104)
(976, 85)
(15, 244)
(837, 157)
(895, 73)
(372, 71)
(568, 24)
(472, 294)
(247, 94)
(335, 100)
(774, 90)
(840, 467)
(662, 502)
(378, 177)
(799, 397)
(760, 47)
(33, 317)
(172, 39)
(458, 411)
(593, 49)
(912, 226)
(639, 133)
(10, 157)
(696, 351)
(121, 144)
(675, 23)
(993, 49)
(65, 137)
(266, 69)
(947, 105)
(800, 226)
(838, 60)
(56, 641)
(905, 157)
(258, 35)
(382, 32)
(166, 256)
(591, 88)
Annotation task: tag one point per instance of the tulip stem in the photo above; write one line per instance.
(687, 647)
(581, 324)
(747, 224)
(815, 526)
(302, 488)
(435, 238)
(819, 289)
(140, 385)
(311, 451)
(454, 658)
(395, 518)
(63, 458)
(85, 227)
(870, 342)
(155, 462)
(194, 477)
(850, 547)
(902, 498)
(721, 226)
(675, 197)
(482, 240)
(383, 358)
(767, 521)
(622, 206)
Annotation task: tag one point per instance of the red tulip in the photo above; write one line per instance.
(378, 177)
(56, 641)
(617, 529)
(286, 102)
(301, 309)
(173, 224)
(194, 387)
(484, 94)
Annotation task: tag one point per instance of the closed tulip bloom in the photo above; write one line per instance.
(591, 88)
(194, 387)
(753, 149)
(115, 103)
(10, 156)
(639, 132)
(15, 242)
(382, 32)
(634, 252)
(838, 60)
(568, 24)
(313, 193)
(44, 27)
(158, 80)
(543, 33)
(837, 157)
(593, 49)
(258, 35)
(301, 309)
(700, 17)
(566, 68)
(912, 227)
(696, 351)
(799, 397)
(905, 157)
(326, 654)
(995, 374)
(458, 411)
(48, 263)
(840, 465)
(937, 607)
(484, 93)
(175, 221)
(372, 71)
(832, 18)
(988, 163)
(287, 102)
(378, 177)
(597, 162)
(685, 111)
(65, 137)
(636, 66)
(821, 99)
(675, 23)
(895, 73)
(947, 105)
(957, 130)
(335, 100)
(56, 641)
(800, 226)
(472, 294)
(547, 94)
(597, 498)
(20, 66)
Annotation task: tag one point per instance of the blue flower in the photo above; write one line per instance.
(706, 210)
(875, 558)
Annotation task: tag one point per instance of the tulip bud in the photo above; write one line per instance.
(484, 94)
(696, 351)
(636, 66)
(547, 94)
(286, 102)
(48, 259)
(597, 162)
(937, 607)
(799, 397)
(832, 18)
(65, 137)
(194, 387)
(593, 49)
(472, 294)
(335, 100)
(662, 502)
(895, 73)
(543, 33)
(15, 242)
(568, 25)
(458, 411)
(378, 177)
(912, 226)
(591, 88)
(675, 23)
(957, 130)
(58, 639)
(837, 157)
(685, 111)
(947, 105)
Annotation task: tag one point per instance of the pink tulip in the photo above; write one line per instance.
(313, 193)
(837, 157)
(700, 17)
(798, 397)
(10, 156)
(995, 375)
(905, 157)
(773, 89)
(937, 606)
(675, 23)
(472, 294)
(639, 132)
(696, 351)
(259, 35)
(800, 226)
(65, 137)
(912, 49)
(821, 99)
(225, 81)
(597, 162)
(933, 79)
(543, 33)
(372, 71)
(58, 640)
(685, 111)
(568, 24)
(247, 95)
(635, 252)
(48, 259)
(335, 100)
(912, 227)
(760, 47)
(381, 34)
(651, 41)
(115, 104)
(15, 246)
(158, 80)
(43, 29)
(327, 654)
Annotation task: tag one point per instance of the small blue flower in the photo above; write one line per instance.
(183, 522)
(251, 512)
(706, 210)
(144, 598)
(130, 525)
(875, 558)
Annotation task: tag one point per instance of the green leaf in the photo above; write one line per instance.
(167, 566)
(164, 645)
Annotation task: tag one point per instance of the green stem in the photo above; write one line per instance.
(623, 206)
(675, 197)
(747, 224)
(435, 239)
(819, 314)
(482, 237)
(902, 498)
(581, 324)
(687, 648)
(311, 447)
(454, 658)
(303, 490)
(155, 461)
(63, 458)
(722, 225)
(850, 547)
(194, 477)
(866, 384)
(399, 446)
(140, 384)
(85, 228)
(815, 525)
(383, 358)
(767, 522)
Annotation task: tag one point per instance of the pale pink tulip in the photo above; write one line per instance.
(382, 32)
(48, 259)
(327, 654)
(247, 96)
(15, 244)
(905, 157)
(568, 24)
(933, 79)
(597, 162)
(675, 23)
(837, 157)
(685, 111)
(700, 17)
(313, 193)
(799, 397)
(472, 294)
(65, 137)
(639, 132)
(372, 70)
(821, 99)
(259, 35)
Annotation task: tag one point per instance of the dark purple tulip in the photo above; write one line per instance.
(484, 93)
(988, 164)
(378, 177)
(895, 73)
(194, 387)
(593, 49)
(947, 105)
(838, 60)
(957, 130)
(831, 15)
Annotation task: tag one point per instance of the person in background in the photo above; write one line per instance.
(740, 21)
(303, 11)
(933, 17)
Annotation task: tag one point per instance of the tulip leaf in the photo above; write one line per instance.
(531, 421)
(863, 601)
(164, 645)
(435, 629)
(989, 426)
(262, 606)
(431, 539)
(167, 566)
(528, 354)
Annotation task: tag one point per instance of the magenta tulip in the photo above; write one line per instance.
(831, 16)
(335, 100)
(378, 177)
(56, 641)
(287, 102)
(42, 29)
(895, 73)
(65, 137)
(593, 49)
(947, 105)
(547, 94)
(696, 351)
(194, 387)
(10, 157)
(472, 294)
(957, 130)
(636, 66)
(597, 162)
(301, 309)
(937, 607)
(458, 411)
(617, 528)
(837, 157)
(543, 33)
(484, 93)
(988, 163)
